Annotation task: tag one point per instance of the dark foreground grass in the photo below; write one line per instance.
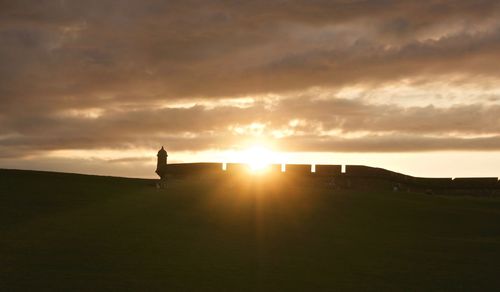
(66, 232)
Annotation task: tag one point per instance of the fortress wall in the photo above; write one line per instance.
(363, 182)
(366, 171)
(402, 178)
(237, 168)
(379, 173)
(475, 182)
(433, 182)
(274, 168)
(298, 169)
(185, 169)
(328, 170)
(243, 168)
(352, 172)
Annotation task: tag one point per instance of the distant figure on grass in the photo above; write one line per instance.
(161, 168)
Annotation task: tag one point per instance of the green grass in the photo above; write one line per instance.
(67, 232)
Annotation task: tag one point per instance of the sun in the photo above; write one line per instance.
(258, 158)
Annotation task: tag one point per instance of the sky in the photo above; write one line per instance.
(99, 86)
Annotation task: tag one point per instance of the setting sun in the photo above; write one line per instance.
(258, 158)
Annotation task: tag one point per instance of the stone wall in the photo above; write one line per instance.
(325, 171)
(298, 169)
(366, 171)
(475, 182)
(433, 182)
(188, 169)
(328, 170)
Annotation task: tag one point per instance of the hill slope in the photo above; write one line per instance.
(75, 232)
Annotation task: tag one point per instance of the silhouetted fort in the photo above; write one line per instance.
(354, 176)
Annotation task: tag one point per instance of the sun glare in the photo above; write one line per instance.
(258, 158)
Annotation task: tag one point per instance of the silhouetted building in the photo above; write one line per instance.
(161, 166)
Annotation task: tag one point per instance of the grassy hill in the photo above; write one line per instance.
(69, 232)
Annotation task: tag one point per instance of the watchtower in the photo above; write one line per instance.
(161, 166)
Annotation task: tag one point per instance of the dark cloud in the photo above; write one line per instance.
(187, 48)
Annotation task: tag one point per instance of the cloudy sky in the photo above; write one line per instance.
(99, 86)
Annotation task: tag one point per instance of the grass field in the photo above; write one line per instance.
(67, 232)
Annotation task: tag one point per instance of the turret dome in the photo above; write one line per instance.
(162, 152)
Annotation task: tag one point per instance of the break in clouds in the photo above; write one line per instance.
(312, 76)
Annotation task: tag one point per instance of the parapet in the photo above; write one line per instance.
(328, 170)
(366, 171)
(274, 168)
(324, 171)
(434, 182)
(298, 169)
(237, 168)
(475, 182)
(186, 169)
(243, 168)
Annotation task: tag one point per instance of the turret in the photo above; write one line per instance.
(161, 165)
